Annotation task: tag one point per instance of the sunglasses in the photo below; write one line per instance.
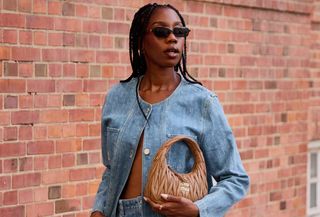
(164, 32)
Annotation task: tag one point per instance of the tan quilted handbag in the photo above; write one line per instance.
(163, 180)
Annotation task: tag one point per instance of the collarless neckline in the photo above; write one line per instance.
(161, 101)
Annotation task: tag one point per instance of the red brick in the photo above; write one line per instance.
(10, 69)
(39, 132)
(68, 39)
(82, 70)
(12, 20)
(26, 164)
(10, 102)
(68, 9)
(39, 22)
(53, 116)
(10, 165)
(40, 163)
(82, 158)
(25, 37)
(40, 70)
(95, 26)
(40, 38)
(40, 86)
(26, 180)
(62, 206)
(91, 144)
(25, 54)
(5, 182)
(25, 101)
(12, 211)
(65, 24)
(118, 28)
(25, 70)
(55, 176)
(81, 115)
(88, 202)
(40, 6)
(10, 198)
(69, 70)
(107, 57)
(26, 196)
(55, 39)
(40, 194)
(12, 86)
(82, 56)
(12, 149)
(94, 158)
(55, 70)
(10, 5)
(68, 145)
(94, 129)
(96, 99)
(55, 162)
(25, 117)
(55, 131)
(81, 10)
(107, 13)
(40, 209)
(54, 192)
(69, 130)
(69, 86)
(24, 5)
(55, 8)
(68, 160)
(82, 100)
(40, 101)
(40, 147)
(4, 118)
(107, 42)
(54, 101)
(10, 134)
(82, 130)
(82, 174)
(10, 36)
(95, 86)
(4, 53)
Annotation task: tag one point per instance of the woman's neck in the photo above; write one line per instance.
(160, 80)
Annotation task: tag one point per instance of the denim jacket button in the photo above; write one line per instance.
(146, 151)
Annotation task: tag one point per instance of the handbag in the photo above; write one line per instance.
(164, 180)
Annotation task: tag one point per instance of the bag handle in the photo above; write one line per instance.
(193, 146)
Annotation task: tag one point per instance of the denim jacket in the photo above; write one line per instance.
(190, 110)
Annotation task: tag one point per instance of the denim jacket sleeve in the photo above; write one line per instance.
(99, 202)
(101, 195)
(223, 163)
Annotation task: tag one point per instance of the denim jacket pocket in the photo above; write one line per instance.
(110, 143)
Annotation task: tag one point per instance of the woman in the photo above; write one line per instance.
(160, 100)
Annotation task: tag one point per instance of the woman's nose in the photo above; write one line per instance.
(172, 38)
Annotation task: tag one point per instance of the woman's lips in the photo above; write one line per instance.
(172, 52)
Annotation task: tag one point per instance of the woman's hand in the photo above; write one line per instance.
(97, 214)
(174, 206)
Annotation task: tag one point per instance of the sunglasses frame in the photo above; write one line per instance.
(185, 31)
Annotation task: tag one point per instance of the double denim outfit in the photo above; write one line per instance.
(190, 110)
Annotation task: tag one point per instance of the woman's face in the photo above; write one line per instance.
(163, 52)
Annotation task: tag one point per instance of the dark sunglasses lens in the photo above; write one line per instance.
(161, 32)
(181, 31)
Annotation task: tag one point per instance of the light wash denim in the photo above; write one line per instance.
(190, 110)
(130, 207)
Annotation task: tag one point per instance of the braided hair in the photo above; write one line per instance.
(137, 59)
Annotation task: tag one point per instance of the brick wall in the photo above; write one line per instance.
(58, 58)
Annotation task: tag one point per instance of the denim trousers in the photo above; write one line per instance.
(130, 207)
